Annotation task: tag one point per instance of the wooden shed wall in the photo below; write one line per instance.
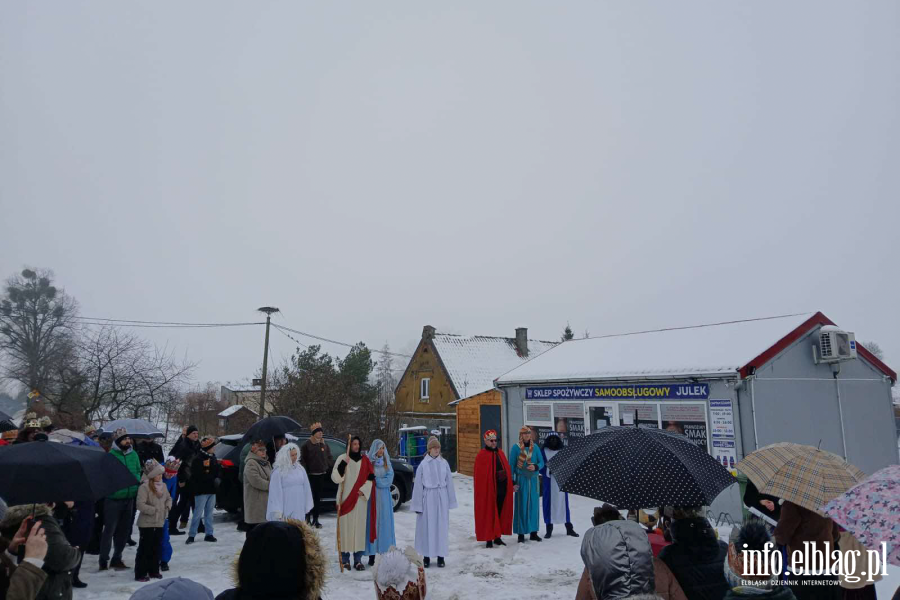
(468, 427)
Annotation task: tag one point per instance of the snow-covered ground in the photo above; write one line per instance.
(546, 570)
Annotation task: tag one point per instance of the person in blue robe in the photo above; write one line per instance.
(384, 478)
(526, 461)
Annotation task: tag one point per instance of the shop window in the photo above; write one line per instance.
(424, 389)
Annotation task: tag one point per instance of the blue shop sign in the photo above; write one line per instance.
(690, 391)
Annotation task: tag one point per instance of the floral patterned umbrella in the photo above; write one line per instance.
(870, 511)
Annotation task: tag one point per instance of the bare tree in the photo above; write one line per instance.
(36, 328)
(126, 376)
(201, 407)
(875, 349)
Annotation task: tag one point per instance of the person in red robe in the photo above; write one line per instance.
(493, 493)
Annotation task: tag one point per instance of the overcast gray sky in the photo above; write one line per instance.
(370, 167)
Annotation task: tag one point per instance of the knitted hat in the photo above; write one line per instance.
(119, 434)
(208, 442)
(46, 422)
(153, 468)
(191, 429)
(490, 434)
(315, 428)
(11, 434)
(89, 429)
(433, 442)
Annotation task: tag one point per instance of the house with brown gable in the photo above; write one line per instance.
(449, 372)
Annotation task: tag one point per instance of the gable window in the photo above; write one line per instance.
(424, 389)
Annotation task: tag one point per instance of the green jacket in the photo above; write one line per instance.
(133, 463)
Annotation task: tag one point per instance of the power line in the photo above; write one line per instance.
(701, 326)
(135, 323)
(289, 335)
(102, 321)
(316, 337)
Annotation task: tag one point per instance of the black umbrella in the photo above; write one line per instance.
(38, 472)
(633, 468)
(268, 428)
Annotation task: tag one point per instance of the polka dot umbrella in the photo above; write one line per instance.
(633, 468)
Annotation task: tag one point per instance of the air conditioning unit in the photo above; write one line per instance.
(836, 345)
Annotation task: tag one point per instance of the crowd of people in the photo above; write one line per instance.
(675, 556)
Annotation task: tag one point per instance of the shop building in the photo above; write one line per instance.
(730, 388)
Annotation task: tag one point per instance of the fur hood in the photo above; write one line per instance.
(16, 514)
(315, 562)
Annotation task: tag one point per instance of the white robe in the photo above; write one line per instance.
(557, 497)
(290, 496)
(433, 497)
(353, 525)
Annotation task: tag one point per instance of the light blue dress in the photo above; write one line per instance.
(527, 509)
(384, 477)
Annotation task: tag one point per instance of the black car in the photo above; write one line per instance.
(230, 495)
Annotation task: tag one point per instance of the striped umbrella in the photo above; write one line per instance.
(806, 476)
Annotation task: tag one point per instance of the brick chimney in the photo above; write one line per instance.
(522, 341)
(428, 332)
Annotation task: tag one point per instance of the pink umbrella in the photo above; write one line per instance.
(870, 511)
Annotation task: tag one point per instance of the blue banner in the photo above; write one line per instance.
(691, 391)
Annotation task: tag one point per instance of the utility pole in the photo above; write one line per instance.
(262, 394)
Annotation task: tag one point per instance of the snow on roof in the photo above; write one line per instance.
(718, 349)
(473, 362)
(233, 409)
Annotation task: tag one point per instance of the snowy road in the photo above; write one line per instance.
(546, 570)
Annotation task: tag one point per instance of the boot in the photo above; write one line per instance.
(570, 530)
(426, 561)
(77, 583)
(549, 531)
(521, 538)
(489, 544)
(163, 566)
(534, 537)
(441, 562)
(499, 542)
(372, 560)
(104, 566)
(118, 565)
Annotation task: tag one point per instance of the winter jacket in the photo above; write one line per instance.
(150, 449)
(76, 522)
(204, 472)
(778, 593)
(316, 458)
(618, 560)
(257, 472)
(696, 558)
(798, 525)
(61, 557)
(666, 585)
(18, 583)
(133, 463)
(153, 509)
(25, 582)
(178, 588)
(184, 450)
(268, 564)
